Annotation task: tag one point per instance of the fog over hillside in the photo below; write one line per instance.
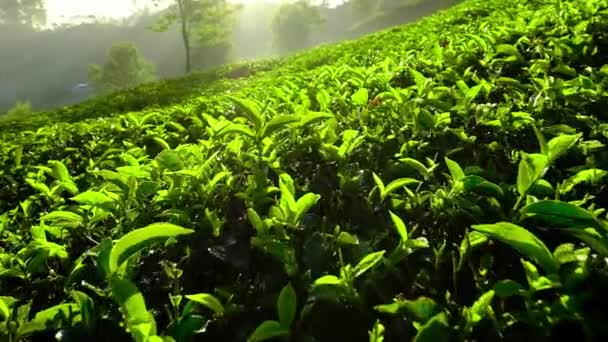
(47, 64)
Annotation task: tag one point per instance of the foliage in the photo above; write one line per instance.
(292, 25)
(19, 110)
(23, 12)
(125, 68)
(203, 24)
(443, 180)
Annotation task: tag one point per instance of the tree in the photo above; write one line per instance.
(292, 25)
(124, 68)
(23, 12)
(202, 23)
(20, 110)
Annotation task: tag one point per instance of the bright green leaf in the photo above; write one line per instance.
(134, 241)
(523, 241)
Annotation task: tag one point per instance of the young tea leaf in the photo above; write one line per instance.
(396, 184)
(251, 110)
(286, 306)
(360, 97)
(131, 301)
(455, 169)
(277, 123)
(531, 168)
(367, 262)
(208, 301)
(377, 333)
(435, 329)
(5, 312)
(94, 199)
(413, 163)
(523, 241)
(52, 318)
(399, 226)
(134, 241)
(589, 176)
(560, 145)
(558, 213)
(268, 330)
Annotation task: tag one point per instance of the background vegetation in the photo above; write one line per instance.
(26, 45)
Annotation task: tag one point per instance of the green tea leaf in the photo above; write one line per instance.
(345, 238)
(233, 128)
(287, 305)
(209, 301)
(134, 241)
(268, 330)
(55, 317)
(455, 169)
(367, 262)
(544, 149)
(560, 145)
(360, 97)
(277, 123)
(396, 184)
(379, 183)
(523, 241)
(508, 288)
(377, 333)
(86, 307)
(399, 226)
(531, 168)
(62, 218)
(94, 199)
(413, 163)
(471, 241)
(131, 301)
(589, 176)
(170, 160)
(304, 204)
(313, 117)
(5, 312)
(481, 309)
(328, 280)
(558, 213)
(435, 329)
(478, 184)
(420, 309)
(251, 110)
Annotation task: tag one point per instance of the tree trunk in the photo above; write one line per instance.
(185, 35)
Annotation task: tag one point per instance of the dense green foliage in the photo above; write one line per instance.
(445, 180)
(293, 24)
(124, 68)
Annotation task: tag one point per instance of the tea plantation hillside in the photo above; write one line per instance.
(441, 181)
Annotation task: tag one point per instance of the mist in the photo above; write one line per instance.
(47, 65)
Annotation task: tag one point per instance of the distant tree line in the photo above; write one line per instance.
(107, 56)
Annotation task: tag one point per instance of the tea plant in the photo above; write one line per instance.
(445, 180)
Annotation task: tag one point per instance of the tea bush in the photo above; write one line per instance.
(445, 180)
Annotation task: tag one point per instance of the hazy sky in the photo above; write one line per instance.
(60, 10)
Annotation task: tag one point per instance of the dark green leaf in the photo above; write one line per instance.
(455, 169)
(208, 301)
(286, 306)
(134, 241)
(523, 241)
(368, 262)
(268, 330)
(435, 329)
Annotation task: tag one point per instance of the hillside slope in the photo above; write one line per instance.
(445, 180)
